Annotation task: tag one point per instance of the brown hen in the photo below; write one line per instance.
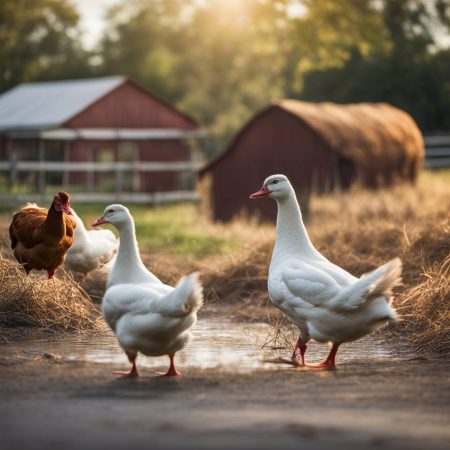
(40, 238)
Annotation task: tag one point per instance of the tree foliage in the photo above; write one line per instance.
(220, 61)
(411, 72)
(39, 40)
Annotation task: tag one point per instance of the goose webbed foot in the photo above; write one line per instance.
(172, 372)
(298, 356)
(290, 361)
(133, 373)
(330, 362)
(300, 347)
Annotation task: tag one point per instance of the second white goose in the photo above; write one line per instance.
(146, 315)
(91, 249)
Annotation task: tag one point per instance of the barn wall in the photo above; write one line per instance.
(130, 107)
(275, 142)
(85, 151)
(162, 151)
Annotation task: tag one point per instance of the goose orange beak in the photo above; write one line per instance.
(99, 221)
(261, 193)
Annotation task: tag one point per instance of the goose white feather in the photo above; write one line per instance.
(91, 249)
(146, 315)
(326, 303)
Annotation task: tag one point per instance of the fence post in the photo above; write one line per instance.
(118, 181)
(66, 178)
(90, 174)
(12, 163)
(41, 174)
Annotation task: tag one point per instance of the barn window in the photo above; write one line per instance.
(25, 149)
(54, 151)
(128, 152)
(104, 181)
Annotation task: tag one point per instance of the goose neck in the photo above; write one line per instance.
(291, 234)
(128, 254)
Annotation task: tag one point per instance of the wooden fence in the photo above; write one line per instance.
(13, 167)
(437, 152)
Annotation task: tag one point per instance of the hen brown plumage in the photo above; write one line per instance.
(40, 238)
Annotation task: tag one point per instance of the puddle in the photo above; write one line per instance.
(229, 346)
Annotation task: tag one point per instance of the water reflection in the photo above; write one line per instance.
(230, 346)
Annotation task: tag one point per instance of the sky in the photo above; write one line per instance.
(91, 18)
(92, 14)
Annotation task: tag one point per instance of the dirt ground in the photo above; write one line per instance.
(60, 393)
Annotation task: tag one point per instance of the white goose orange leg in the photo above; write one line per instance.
(133, 373)
(301, 345)
(172, 372)
(330, 362)
(293, 360)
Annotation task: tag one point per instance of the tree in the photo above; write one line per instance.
(39, 40)
(218, 61)
(409, 72)
(141, 42)
(332, 31)
(233, 64)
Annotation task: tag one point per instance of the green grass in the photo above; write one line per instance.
(175, 228)
(170, 229)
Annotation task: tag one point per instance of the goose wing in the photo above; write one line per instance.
(310, 286)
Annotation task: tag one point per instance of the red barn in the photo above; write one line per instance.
(319, 146)
(100, 135)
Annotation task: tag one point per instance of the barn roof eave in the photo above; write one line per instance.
(210, 165)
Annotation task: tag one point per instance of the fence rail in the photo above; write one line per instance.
(88, 166)
(437, 152)
(154, 198)
(13, 167)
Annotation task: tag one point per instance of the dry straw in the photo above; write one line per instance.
(58, 304)
(426, 310)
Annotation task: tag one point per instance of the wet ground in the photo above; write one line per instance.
(60, 392)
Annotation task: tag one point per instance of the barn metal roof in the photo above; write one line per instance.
(49, 104)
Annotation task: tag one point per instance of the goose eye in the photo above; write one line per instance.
(275, 182)
(110, 211)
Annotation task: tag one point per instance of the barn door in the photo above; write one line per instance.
(346, 172)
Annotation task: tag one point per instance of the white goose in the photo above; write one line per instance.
(324, 301)
(146, 315)
(91, 249)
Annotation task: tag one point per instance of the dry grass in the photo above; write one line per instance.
(425, 309)
(57, 304)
